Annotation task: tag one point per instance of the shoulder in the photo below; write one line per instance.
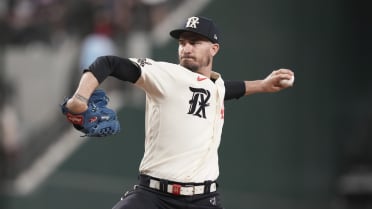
(154, 68)
(147, 62)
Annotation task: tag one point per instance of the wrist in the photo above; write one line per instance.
(75, 105)
(265, 86)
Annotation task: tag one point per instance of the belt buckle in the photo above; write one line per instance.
(176, 189)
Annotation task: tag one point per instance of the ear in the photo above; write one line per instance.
(214, 49)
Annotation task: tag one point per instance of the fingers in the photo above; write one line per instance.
(282, 74)
(278, 80)
(283, 71)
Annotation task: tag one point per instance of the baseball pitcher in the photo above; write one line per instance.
(184, 117)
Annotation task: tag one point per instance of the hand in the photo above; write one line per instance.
(76, 105)
(272, 83)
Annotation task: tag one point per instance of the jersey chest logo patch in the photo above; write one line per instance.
(199, 101)
(142, 62)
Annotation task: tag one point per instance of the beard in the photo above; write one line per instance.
(190, 65)
(194, 65)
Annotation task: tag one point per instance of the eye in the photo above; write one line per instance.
(181, 42)
(195, 42)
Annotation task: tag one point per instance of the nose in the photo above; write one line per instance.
(187, 48)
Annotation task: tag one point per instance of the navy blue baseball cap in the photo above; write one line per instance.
(200, 25)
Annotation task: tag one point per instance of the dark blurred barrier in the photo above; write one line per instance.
(290, 145)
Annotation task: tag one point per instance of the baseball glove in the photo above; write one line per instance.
(98, 120)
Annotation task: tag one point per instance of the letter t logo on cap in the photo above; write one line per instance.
(192, 22)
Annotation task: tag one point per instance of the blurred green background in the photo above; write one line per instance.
(286, 150)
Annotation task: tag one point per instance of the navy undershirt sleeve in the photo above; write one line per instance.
(234, 89)
(125, 70)
(120, 68)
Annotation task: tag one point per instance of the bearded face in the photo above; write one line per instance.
(195, 52)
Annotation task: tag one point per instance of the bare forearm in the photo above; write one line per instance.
(98, 71)
(78, 102)
(253, 87)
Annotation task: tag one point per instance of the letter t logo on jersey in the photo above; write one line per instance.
(192, 22)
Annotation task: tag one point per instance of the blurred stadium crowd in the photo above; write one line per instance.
(98, 26)
(49, 21)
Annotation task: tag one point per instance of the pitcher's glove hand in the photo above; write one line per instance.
(98, 120)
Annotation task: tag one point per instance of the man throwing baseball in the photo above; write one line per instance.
(184, 117)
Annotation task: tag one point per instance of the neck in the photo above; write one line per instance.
(205, 72)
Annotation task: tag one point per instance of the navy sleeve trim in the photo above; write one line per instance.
(120, 68)
(234, 89)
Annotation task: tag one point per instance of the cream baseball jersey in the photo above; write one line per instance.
(184, 119)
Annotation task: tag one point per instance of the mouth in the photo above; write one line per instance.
(187, 57)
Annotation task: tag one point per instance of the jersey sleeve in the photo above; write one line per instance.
(234, 89)
(120, 68)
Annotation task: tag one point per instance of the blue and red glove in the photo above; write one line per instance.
(98, 120)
